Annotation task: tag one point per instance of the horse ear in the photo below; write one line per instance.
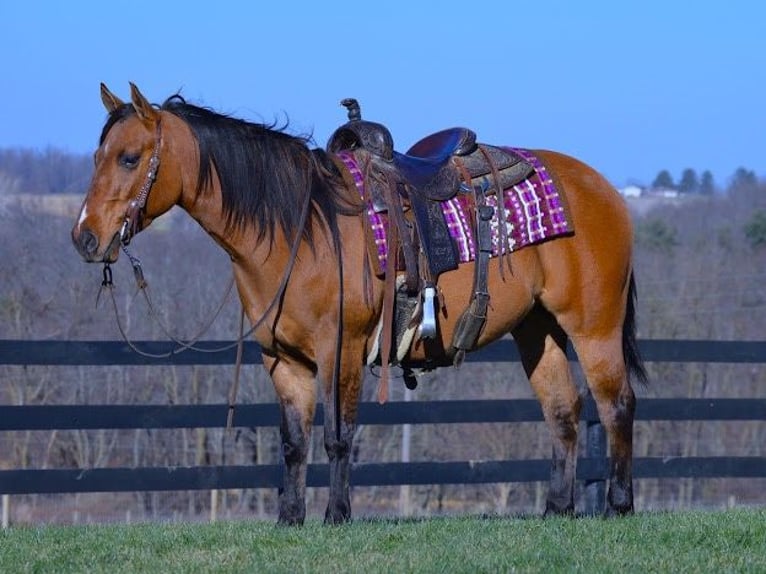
(111, 102)
(146, 112)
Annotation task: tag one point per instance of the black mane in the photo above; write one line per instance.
(264, 172)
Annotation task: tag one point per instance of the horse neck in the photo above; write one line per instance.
(204, 206)
(258, 262)
(206, 209)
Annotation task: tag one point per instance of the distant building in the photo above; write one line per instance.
(665, 192)
(632, 191)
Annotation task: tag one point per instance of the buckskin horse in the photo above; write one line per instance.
(292, 220)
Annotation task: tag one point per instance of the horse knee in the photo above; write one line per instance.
(565, 417)
(338, 445)
(294, 451)
(294, 435)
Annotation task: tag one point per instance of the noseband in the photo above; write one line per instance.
(135, 212)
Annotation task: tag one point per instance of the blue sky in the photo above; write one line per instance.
(629, 87)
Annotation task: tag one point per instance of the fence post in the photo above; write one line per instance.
(213, 505)
(595, 448)
(405, 494)
(6, 521)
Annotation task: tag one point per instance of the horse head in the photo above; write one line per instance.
(129, 188)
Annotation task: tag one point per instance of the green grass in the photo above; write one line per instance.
(731, 541)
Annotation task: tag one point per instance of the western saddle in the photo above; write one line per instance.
(410, 188)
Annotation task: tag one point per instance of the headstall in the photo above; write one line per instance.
(132, 222)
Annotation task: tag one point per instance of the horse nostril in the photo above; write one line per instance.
(87, 243)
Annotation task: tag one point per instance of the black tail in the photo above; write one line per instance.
(630, 350)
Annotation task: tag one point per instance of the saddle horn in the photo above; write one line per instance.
(359, 133)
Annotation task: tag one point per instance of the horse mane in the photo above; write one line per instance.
(264, 172)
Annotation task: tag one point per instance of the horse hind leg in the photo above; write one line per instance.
(542, 345)
(606, 373)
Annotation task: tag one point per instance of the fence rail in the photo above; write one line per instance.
(592, 468)
(17, 352)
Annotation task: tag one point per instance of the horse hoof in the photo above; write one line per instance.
(612, 511)
(337, 516)
(552, 509)
(289, 523)
(291, 518)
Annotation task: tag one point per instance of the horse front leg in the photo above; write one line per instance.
(295, 387)
(339, 428)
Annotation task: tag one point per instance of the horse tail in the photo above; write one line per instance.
(630, 351)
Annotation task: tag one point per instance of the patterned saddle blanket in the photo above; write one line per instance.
(534, 211)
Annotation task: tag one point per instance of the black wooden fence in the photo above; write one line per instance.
(592, 469)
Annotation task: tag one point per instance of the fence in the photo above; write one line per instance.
(592, 469)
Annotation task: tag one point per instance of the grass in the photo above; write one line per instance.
(726, 541)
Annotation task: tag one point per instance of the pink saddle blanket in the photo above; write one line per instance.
(534, 211)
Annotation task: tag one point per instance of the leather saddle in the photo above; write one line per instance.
(410, 187)
(433, 168)
(427, 167)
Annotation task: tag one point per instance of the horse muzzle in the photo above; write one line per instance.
(87, 244)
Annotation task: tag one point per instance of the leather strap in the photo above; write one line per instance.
(503, 248)
(389, 296)
(396, 219)
(472, 321)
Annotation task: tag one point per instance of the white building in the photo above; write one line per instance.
(632, 191)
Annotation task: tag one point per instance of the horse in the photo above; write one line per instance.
(290, 219)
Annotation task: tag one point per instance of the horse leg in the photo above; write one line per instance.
(606, 373)
(542, 345)
(339, 428)
(295, 387)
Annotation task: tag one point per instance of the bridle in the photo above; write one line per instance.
(135, 212)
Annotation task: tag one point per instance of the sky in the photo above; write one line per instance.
(631, 88)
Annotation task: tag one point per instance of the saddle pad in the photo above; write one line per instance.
(534, 211)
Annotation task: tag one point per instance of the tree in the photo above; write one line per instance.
(689, 181)
(755, 229)
(40, 172)
(707, 185)
(663, 180)
(656, 235)
(743, 179)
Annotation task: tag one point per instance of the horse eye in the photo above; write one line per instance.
(129, 160)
